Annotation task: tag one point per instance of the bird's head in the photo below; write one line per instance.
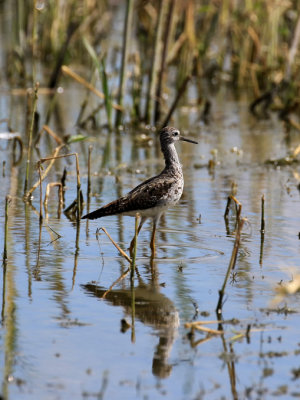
(170, 135)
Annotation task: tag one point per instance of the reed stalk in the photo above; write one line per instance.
(180, 92)
(88, 192)
(71, 29)
(34, 40)
(125, 50)
(161, 73)
(262, 223)
(35, 99)
(231, 264)
(149, 117)
(7, 200)
(68, 71)
(30, 191)
(122, 252)
(41, 192)
(42, 160)
(100, 65)
(133, 255)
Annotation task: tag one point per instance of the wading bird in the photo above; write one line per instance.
(154, 196)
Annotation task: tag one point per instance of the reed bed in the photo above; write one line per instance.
(251, 45)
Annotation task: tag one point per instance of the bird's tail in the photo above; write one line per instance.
(109, 209)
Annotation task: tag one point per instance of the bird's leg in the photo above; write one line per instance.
(138, 231)
(152, 243)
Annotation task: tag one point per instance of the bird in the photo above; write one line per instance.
(151, 198)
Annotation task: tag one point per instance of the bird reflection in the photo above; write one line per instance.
(151, 308)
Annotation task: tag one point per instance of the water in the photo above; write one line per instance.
(61, 340)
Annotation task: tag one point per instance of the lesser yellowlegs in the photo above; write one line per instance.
(152, 197)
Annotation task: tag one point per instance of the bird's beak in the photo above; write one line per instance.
(187, 140)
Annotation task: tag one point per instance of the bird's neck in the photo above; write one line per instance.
(171, 157)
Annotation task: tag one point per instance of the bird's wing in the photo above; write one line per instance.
(149, 193)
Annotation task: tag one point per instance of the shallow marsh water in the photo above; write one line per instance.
(60, 340)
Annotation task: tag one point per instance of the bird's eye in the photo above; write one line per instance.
(175, 133)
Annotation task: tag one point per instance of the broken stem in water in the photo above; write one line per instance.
(231, 264)
(42, 160)
(122, 252)
(56, 151)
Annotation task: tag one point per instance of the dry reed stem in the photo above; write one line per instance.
(162, 8)
(35, 98)
(41, 191)
(180, 92)
(125, 50)
(200, 341)
(60, 192)
(231, 263)
(82, 81)
(115, 283)
(7, 200)
(240, 335)
(89, 172)
(208, 330)
(196, 323)
(173, 52)
(42, 160)
(238, 207)
(24, 92)
(122, 252)
(293, 49)
(161, 72)
(56, 151)
(296, 151)
(50, 132)
(135, 243)
(294, 124)
(262, 223)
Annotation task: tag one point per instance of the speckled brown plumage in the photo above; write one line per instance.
(153, 196)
